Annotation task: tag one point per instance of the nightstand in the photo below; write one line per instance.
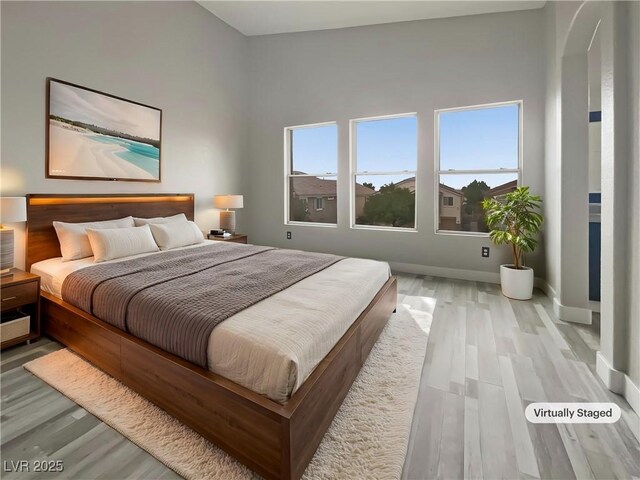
(237, 238)
(20, 296)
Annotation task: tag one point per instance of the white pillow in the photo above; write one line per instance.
(148, 221)
(176, 234)
(112, 243)
(74, 243)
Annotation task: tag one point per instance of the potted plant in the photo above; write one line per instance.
(514, 219)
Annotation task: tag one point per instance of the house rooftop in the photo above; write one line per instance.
(448, 189)
(502, 189)
(319, 187)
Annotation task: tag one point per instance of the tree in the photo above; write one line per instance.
(368, 185)
(391, 206)
(299, 210)
(474, 195)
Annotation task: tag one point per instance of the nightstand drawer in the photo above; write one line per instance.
(18, 295)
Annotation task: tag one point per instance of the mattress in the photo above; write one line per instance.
(273, 346)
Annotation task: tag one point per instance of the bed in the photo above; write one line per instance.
(273, 420)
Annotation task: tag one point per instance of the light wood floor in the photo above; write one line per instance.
(487, 358)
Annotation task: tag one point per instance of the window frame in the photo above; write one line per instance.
(438, 172)
(353, 172)
(288, 175)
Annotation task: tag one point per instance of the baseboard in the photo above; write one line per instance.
(456, 273)
(571, 314)
(461, 274)
(564, 312)
(612, 378)
(543, 285)
(632, 395)
(620, 383)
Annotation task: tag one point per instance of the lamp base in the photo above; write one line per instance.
(228, 221)
(6, 251)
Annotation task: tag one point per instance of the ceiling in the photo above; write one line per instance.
(268, 17)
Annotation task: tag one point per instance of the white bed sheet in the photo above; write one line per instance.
(53, 271)
(273, 346)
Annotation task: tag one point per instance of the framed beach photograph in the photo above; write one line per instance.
(92, 135)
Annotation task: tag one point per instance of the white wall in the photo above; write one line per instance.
(551, 147)
(558, 21)
(420, 66)
(595, 72)
(634, 197)
(172, 55)
(595, 152)
(595, 85)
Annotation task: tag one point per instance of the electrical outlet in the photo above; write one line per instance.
(485, 252)
(288, 235)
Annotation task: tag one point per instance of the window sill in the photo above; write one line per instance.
(384, 229)
(312, 224)
(457, 233)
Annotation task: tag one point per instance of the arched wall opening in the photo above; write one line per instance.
(572, 303)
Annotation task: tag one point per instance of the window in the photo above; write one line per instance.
(311, 174)
(478, 156)
(384, 161)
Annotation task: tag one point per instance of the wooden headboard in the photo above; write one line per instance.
(43, 210)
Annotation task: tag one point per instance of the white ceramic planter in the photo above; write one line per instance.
(516, 284)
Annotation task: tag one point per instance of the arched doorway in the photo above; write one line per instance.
(573, 301)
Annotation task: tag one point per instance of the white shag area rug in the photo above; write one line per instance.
(367, 439)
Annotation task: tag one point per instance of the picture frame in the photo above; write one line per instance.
(93, 135)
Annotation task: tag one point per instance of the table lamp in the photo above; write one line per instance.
(228, 217)
(12, 210)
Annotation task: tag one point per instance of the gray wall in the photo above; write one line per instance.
(357, 72)
(552, 168)
(634, 194)
(172, 55)
(595, 104)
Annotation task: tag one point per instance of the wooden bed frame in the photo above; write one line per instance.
(275, 440)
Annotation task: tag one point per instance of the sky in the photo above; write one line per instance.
(315, 149)
(93, 108)
(482, 138)
(469, 139)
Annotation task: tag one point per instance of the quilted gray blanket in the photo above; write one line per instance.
(174, 299)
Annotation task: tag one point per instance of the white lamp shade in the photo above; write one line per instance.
(228, 201)
(13, 209)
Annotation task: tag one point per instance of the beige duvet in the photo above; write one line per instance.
(273, 346)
